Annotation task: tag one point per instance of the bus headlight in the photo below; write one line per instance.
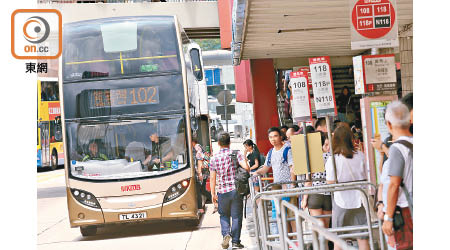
(176, 190)
(85, 198)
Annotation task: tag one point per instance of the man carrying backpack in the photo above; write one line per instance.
(397, 179)
(280, 160)
(223, 172)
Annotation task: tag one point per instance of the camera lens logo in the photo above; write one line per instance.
(36, 29)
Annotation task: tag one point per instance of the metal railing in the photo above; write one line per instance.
(267, 240)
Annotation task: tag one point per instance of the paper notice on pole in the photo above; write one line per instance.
(380, 69)
(358, 73)
(301, 107)
(315, 153)
(323, 88)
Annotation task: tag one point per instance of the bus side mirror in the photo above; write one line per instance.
(197, 68)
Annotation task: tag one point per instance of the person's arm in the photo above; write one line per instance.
(212, 185)
(385, 149)
(395, 171)
(262, 170)
(147, 160)
(381, 161)
(168, 156)
(380, 204)
(392, 197)
(256, 165)
(244, 165)
(199, 168)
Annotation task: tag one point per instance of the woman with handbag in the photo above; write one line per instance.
(347, 208)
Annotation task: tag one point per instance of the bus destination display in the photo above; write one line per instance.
(124, 97)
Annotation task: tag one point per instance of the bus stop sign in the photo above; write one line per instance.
(373, 24)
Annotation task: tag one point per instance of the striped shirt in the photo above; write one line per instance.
(222, 164)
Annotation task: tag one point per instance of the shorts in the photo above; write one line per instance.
(342, 217)
(319, 201)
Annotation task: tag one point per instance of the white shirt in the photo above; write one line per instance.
(281, 170)
(347, 170)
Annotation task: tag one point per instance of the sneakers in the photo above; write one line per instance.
(237, 246)
(226, 241)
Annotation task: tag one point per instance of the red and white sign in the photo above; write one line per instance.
(54, 110)
(373, 24)
(323, 87)
(301, 103)
(305, 68)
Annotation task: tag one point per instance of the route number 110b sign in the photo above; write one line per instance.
(323, 87)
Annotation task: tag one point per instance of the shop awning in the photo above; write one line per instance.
(298, 28)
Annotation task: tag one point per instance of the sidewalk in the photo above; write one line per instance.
(208, 236)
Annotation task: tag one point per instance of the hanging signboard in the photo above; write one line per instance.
(375, 74)
(374, 24)
(323, 87)
(301, 107)
(304, 68)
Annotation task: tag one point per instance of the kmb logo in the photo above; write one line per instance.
(130, 188)
(36, 34)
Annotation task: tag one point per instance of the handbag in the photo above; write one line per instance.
(399, 222)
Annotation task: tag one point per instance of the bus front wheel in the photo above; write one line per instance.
(54, 161)
(88, 230)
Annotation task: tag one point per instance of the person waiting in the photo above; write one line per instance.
(347, 209)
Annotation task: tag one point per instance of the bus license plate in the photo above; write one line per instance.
(133, 216)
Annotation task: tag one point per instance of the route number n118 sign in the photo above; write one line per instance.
(301, 104)
(323, 87)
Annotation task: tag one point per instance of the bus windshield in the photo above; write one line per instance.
(126, 149)
(118, 47)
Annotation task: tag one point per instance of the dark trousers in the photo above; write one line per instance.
(231, 205)
(201, 187)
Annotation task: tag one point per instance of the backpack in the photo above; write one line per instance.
(285, 155)
(408, 145)
(240, 176)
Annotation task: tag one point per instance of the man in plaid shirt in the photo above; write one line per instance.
(230, 202)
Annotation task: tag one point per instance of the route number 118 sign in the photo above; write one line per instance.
(301, 105)
(323, 87)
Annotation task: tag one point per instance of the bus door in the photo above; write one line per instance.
(45, 143)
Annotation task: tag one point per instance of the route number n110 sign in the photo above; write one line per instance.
(301, 104)
(323, 87)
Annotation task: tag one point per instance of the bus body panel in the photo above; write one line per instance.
(146, 186)
(90, 216)
(114, 200)
(173, 209)
(48, 111)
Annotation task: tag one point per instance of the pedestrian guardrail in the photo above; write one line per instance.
(316, 234)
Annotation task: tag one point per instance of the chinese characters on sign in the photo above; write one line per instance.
(375, 74)
(301, 107)
(323, 88)
(124, 97)
(373, 24)
(31, 67)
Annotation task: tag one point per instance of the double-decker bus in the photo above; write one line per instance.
(130, 108)
(50, 151)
